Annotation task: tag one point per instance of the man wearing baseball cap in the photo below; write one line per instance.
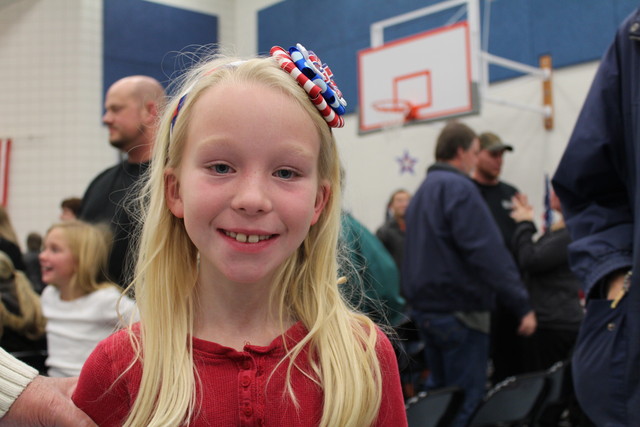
(505, 349)
(496, 193)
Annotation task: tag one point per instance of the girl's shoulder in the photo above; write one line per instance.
(108, 290)
(109, 296)
(120, 343)
(108, 380)
(384, 346)
(115, 353)
(383, 343)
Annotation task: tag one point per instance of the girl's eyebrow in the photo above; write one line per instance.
(221, 142)
(300, 150)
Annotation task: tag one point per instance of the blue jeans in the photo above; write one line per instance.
(456, 356)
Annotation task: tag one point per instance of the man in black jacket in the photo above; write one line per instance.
(506, 351)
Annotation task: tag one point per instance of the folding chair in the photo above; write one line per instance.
(558, 396)
(434, 408)
(512, 402)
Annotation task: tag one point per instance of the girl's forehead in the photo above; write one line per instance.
(244, 109)
(221, 91)
(56, 234)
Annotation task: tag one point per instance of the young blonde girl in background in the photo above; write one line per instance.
(242, 321)
(80, 305)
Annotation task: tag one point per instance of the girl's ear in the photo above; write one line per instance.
(172, 193)
(322, 197)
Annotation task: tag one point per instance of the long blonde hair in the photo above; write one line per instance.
(30, 322)
(90, 245)
(6, 227)
(342, 343)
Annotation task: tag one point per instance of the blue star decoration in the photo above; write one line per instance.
(406, 163)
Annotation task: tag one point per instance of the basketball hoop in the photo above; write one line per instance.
(406, 108)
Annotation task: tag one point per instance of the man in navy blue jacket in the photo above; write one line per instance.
(597, 182)
(456, 263)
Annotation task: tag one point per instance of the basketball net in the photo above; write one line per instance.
(399, 112)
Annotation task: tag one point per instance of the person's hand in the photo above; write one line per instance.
(522, 210)
(46, 402)
(528, 324)
(615, 286)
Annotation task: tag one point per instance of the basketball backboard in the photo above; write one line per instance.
(424, 77)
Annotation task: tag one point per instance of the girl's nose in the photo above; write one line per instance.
(253, 195)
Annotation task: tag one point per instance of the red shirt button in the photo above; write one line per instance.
(245, 381)
(248, 411)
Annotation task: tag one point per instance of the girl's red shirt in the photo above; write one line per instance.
(237, 388)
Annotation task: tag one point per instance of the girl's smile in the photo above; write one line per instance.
(250, 243)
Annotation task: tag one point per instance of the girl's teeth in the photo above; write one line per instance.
(243, 238)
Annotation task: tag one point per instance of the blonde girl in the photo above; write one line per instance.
(242, 320)
(80, 305)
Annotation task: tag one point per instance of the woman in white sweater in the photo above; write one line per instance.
(28, 399)
(81, 306)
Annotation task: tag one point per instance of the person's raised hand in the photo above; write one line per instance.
(521, 210)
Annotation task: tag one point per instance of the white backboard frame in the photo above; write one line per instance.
(480, 59)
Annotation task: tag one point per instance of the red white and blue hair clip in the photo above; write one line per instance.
(316, 79)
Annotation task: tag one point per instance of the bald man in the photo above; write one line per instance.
(132, 106)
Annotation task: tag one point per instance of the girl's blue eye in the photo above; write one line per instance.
(285, 174)
(221, 168)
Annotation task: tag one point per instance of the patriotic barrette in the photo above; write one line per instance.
(316, 79)
(176, 111)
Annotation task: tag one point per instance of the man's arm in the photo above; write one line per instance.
(27, 399)
(480, 242)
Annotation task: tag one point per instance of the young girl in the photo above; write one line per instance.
(242, 321)
(81, 307)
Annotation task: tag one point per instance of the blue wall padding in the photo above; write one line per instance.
(141, 37)
(571, 31)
